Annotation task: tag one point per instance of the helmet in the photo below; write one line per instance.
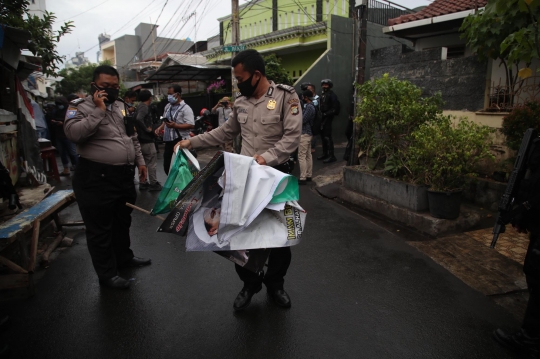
(304, 85)
(204, 112)
(328, 82)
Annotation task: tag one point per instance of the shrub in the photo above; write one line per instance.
(517, 122)
(442, 153)
(389, 111)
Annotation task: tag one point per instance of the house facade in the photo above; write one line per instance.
(439, 60)
(315, 39)
(127, 49)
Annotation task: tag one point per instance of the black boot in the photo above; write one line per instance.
(330, 159)
(244, 297)
(520, 342)
(323, 157)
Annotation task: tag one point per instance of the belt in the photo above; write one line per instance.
(105, 168)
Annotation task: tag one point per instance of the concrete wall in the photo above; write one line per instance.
(460, 80)
(336, 64)
(126, 47)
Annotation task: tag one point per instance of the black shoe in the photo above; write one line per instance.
(244, 297)
(115, 282)
(519, 342)
(330, 159)
(322, 158)
(308, 179)
(280, 297)
(136, 262)
(302, 182)
(143, 186)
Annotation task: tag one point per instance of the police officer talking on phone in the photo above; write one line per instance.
(269, 118)
(103, 180)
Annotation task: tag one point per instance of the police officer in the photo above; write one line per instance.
(269, 119)
(527, 340)
(329, 105)
(103, 181)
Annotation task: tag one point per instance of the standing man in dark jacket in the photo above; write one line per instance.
(146, 136)
(103, 181)
(526, 341)
(65, 147)
(329, 105)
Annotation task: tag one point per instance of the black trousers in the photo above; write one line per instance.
(278, 261)
(168, 153)
(531, 321)
(102, 192)
(326, 137)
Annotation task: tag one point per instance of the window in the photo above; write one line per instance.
(299, 20)
(313, 18)
(260, 28)
(300, 73)
(294, 74)
(250, 30)
(286, 18)
(335, 7)
(255, 29)
(280, 24)
(305, 16)
(292, 18)
(343, 7)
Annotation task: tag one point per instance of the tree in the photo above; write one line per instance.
(15, 13)
(78, 79)
(275, 71)
(75, 80)
(506, 30)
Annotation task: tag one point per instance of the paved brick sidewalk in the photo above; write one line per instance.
(511, 244)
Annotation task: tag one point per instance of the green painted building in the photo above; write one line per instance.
(297, 31)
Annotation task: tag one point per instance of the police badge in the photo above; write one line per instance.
(271, 104)
(294, 110)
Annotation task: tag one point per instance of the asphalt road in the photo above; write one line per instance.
(357, 290)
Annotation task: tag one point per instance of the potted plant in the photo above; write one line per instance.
(442, 154)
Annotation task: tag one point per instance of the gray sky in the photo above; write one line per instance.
(119, 17)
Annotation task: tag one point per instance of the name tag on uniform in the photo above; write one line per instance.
(71, 112)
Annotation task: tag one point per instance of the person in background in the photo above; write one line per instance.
(330, 107)
(315, 102)
(178, 120)
(224, 109)
(143, 124)
(65, 147)
(304, 150)
(129, 99)
(526, 340)
(39, 117)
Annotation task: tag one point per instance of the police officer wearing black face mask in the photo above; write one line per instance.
(103, 181)
(329, 105)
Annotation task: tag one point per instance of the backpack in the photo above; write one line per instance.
(317, 123)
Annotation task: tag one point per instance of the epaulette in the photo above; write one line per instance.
(76, 101)
(286, 88)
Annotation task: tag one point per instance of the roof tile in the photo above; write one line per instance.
(438, 8)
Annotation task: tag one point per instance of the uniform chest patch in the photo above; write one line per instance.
(294, 110)
(71, 112)
(271, 104)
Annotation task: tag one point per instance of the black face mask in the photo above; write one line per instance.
(112, 94)
(246, 88)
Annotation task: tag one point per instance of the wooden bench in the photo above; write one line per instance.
(15, 230)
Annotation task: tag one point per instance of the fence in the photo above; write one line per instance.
(380, 13)
(504, 98)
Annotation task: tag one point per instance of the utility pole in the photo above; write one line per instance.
(360, 73)
(235, 26)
